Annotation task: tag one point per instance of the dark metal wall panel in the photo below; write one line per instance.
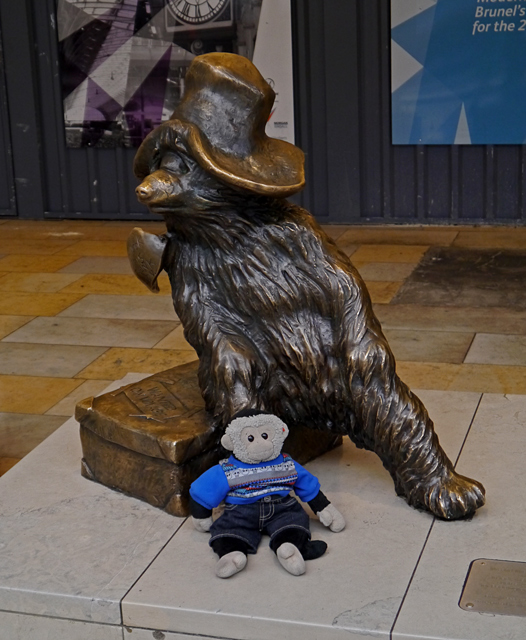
(343, 173)
(472, 201)
(22, 102)
(343, 110)
(7, 184)
(404, 179)
(309, 74)
(78, 181)
(107, 179)
(372, 127)
(438, 180)
(354, 173)
(508, 176)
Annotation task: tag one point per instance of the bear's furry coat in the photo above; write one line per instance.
(281, 321)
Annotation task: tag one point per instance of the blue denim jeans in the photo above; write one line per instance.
(270, 515)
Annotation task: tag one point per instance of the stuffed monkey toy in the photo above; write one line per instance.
(255, 482)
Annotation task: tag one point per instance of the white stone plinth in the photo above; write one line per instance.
(78, 560)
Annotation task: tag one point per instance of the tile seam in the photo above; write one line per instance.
(432, 525)
(121, 602)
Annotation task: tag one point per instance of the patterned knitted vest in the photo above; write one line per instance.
(260, 481)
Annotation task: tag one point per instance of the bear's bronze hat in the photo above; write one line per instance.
(222, 118)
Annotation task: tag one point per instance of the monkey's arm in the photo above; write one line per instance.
(332, 518)
(327, 513)
(206, 493)
(201, 516)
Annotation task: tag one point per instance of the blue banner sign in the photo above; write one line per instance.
(458, 71)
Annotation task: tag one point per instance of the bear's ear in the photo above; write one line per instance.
(226, 441)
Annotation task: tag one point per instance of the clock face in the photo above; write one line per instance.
(197, 11)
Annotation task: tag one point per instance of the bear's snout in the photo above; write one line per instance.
(144, 192)
(158, 189)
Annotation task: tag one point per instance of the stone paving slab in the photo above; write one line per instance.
(74, 555)
(71, 548)
(495, 453)
(356, 588)
(15, 626)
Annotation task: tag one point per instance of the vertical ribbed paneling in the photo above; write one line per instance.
(7, 185)
(343, 114)
(354, 173)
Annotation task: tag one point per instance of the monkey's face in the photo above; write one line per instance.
(175, 183)
(255, 443)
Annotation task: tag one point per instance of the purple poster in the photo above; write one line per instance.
(123, 62)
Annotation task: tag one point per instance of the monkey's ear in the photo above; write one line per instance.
(226, 441)
(281, 431)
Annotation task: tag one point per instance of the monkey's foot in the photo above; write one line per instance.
(291, 559)
(230, 564)
(450, 496)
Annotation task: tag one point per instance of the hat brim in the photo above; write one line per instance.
(274, 167)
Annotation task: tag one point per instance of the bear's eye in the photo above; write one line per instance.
(173, 162)
(156, 160)
(250, 438)
(264, 436)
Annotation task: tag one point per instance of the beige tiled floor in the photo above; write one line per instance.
(96, 332)
(73, 318)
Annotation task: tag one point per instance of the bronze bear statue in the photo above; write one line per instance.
(279, 317)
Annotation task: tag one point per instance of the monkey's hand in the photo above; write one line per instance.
(332, 518)
(202, 524)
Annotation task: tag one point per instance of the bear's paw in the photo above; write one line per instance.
(450, 497)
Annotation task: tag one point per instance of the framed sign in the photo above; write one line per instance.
(458, 75)
(123, 62)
